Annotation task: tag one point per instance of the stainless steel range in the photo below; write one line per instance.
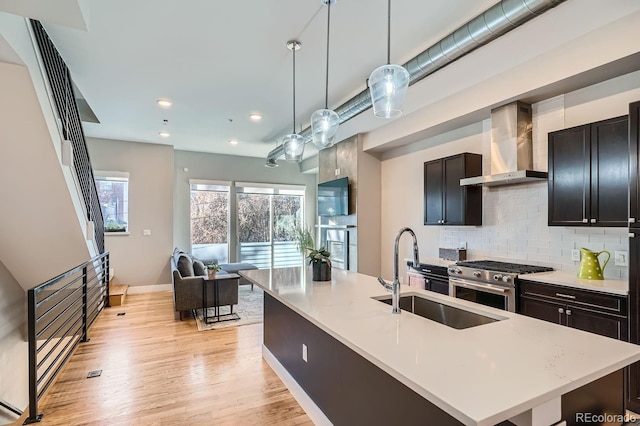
(488, 282)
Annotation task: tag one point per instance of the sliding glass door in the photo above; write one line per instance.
(267, 220)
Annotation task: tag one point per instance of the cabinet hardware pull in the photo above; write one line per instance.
(566, 296)
(632, 235)
(585, 220)
(568, 311)
(560, 311)
(593, 221)
(632, 220)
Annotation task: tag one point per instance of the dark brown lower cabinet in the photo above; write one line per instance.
(594, 312)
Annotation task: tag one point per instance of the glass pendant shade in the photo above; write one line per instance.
(324, 125)
(293, 146)
(388, 86)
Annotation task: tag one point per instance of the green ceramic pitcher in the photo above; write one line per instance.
(590, 265)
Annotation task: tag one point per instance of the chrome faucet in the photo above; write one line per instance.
(395, 286)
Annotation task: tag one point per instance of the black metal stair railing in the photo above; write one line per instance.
(62, 90)
(60, 312)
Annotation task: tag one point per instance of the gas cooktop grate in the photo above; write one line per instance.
(514, 268)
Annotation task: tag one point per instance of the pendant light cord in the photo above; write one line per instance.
(326, 83)
(389, 32)
(294, 87)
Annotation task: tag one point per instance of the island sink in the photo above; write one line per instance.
(444, 314)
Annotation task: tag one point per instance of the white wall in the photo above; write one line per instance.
(233, 169)
(514, 217)
(41, 213)
(402, 195)
(137, 259)
(14, 369)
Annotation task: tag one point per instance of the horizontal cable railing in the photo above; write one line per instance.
(285, 254)
(60, 311)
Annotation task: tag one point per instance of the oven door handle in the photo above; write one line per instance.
(480, 287)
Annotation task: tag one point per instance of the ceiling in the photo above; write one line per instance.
(219, 62)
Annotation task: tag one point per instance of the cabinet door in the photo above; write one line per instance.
(609, 172)
(542, 309)
(453, 201)
(569, 177)
(596, 322)
(634, 165)
(433, 174)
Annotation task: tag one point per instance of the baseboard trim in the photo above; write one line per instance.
(313, 411)
(138, 289)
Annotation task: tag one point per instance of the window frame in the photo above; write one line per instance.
(115, 176)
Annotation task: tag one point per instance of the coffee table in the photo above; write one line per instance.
(218, 280)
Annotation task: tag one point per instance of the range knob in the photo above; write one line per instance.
(506, 279)
(497, 277)
(451, 270)
(477, 274)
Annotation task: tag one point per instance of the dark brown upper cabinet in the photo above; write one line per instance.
(589, 174)
(445, 201)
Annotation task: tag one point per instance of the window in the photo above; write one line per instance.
(210, 221)
(113, 193)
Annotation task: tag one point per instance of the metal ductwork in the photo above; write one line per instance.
(484, 28)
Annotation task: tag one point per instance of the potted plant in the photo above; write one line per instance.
(212, 269)
(318, 257)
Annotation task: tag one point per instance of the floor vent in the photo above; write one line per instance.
(94, 373)
(121, 314)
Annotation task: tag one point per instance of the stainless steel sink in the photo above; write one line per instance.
(440, 312)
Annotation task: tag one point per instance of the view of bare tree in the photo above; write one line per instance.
(209, 217)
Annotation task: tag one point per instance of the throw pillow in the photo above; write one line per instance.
(198, 268)
(185, 266)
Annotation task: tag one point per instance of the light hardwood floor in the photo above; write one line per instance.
(160, 371)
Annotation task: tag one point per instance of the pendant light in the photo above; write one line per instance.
(325, 122)
(388, 84)
(293, 144)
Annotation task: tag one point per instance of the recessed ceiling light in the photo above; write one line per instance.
(164, 134)
(255, 117)
(233, 142)
(164, 103)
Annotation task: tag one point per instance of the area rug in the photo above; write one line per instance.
(249, 309)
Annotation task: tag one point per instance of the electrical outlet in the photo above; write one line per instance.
(146, 232)
(621, 258)
(575, 255)
(462, 245)
(304, 352)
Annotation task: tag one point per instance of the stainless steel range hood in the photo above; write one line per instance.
(511, 148)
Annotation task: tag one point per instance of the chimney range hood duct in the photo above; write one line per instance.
(511, 148)
(491, 24)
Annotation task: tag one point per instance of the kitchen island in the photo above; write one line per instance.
(515, 368)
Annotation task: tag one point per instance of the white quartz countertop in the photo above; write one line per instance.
(480, 375)
(568, 279)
